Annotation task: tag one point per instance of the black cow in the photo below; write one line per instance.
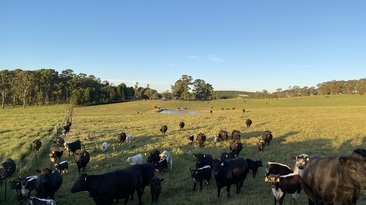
(146, 172)
(181, 125)
(254, 165)
(235, 135)
(104, 188)
(299, 163)
(60, 141)
(203, 160)
(17, 188)
(290, 183)
(73, 146)
(334, 180)
(201, 174)
(56, 151)
(236, 146)
(36, 145)
(227, 155)
(62, 167)
(122, 137)
(267, 137)
(261, 145)
(161, 165)
(82, 159)
(163, 129)
(7, 168)
(200, 139)
(48, 183)
(38, 201)
(153, 156)
(155, 188)
(66, 128)
(28, 184)
(232, 171)
(277, 168)
(248, 122)
(223, 135)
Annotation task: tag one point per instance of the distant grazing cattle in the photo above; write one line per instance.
(73, 146)
(267, 137)
(60, 141)
(48, 183)
(191, 139)
(66, 128)
(122, 137)
(163, 129)
(155, 188)
(62, 167)
(214, 138)
(201, 174)
(203, 160)
(299, 163)
(235, 135)
(56, 152)
(28, 184)
(82, 159)
(137, 159)
(277, 168)
(161, 165)
(334, 180)
(232, 171)
(227, 155)
(261, 145)
(38, 201)
(236, 146)
(104, 146)
(153, 156)
(211, 111)
(181, 125)
(254, 165)
(105, 188)
(290, 183)
(166, 155)
(36, 145)
(200, 139)
(248, 122)
(243, 110)
(223, 135)
(7, 168)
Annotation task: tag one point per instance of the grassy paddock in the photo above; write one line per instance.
(330, 126)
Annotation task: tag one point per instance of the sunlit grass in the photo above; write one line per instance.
(312, 125)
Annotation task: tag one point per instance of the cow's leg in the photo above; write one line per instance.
(201, 185)
(228, 190)
(194, 186)
(218, 192)
(280, 201)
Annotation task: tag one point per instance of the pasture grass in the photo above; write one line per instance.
(318, 125)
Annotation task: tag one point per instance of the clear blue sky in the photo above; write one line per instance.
(248, 45)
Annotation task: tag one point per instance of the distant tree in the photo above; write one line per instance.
(202, 90)
(121, 90)
(150, 93)
(24, 81)
(181, 87)
(4, 85)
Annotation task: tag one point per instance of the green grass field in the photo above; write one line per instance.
(319, 125)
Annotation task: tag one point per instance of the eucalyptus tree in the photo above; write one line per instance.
(202, 90)
(24, 80)
(4, 85)
(181, 87)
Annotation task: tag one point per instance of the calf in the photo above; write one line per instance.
(7, 168)
(28, 184)
(122, 137)
(235, 135)
(66, 128)
(56, 152)
(161, 165)
(163, 129)
(277, 168)
(62, 167)
(48, 183)
(191, 139)
(155, 188)
(236, 146)
(166, 155)
(17, 188)
(73, 146)
(290, 183)
(153, 156)
(201, 138)
(334, 180)
(223, 135)
(104, 146)
(60, 141)
(203, 160)
(232, 171)
(261, 145)
(38, 201)
(129, 139)
(82, 159)
(248, 122)
(254, 165)
(181, 125)
(36, 145)
(299, 163)
(267, 137)
(137, 159)
(200, 175)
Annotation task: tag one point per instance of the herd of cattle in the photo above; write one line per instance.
(325, 180)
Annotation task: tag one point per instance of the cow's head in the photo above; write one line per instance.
(272, 179)
(301, 160)
(256, 164)
(81, 184)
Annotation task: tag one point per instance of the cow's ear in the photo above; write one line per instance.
(266, 179)
(343, 160)
(204, 155)
(222, 164)
(278, 179)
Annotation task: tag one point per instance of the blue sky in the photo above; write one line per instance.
(233, 45)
